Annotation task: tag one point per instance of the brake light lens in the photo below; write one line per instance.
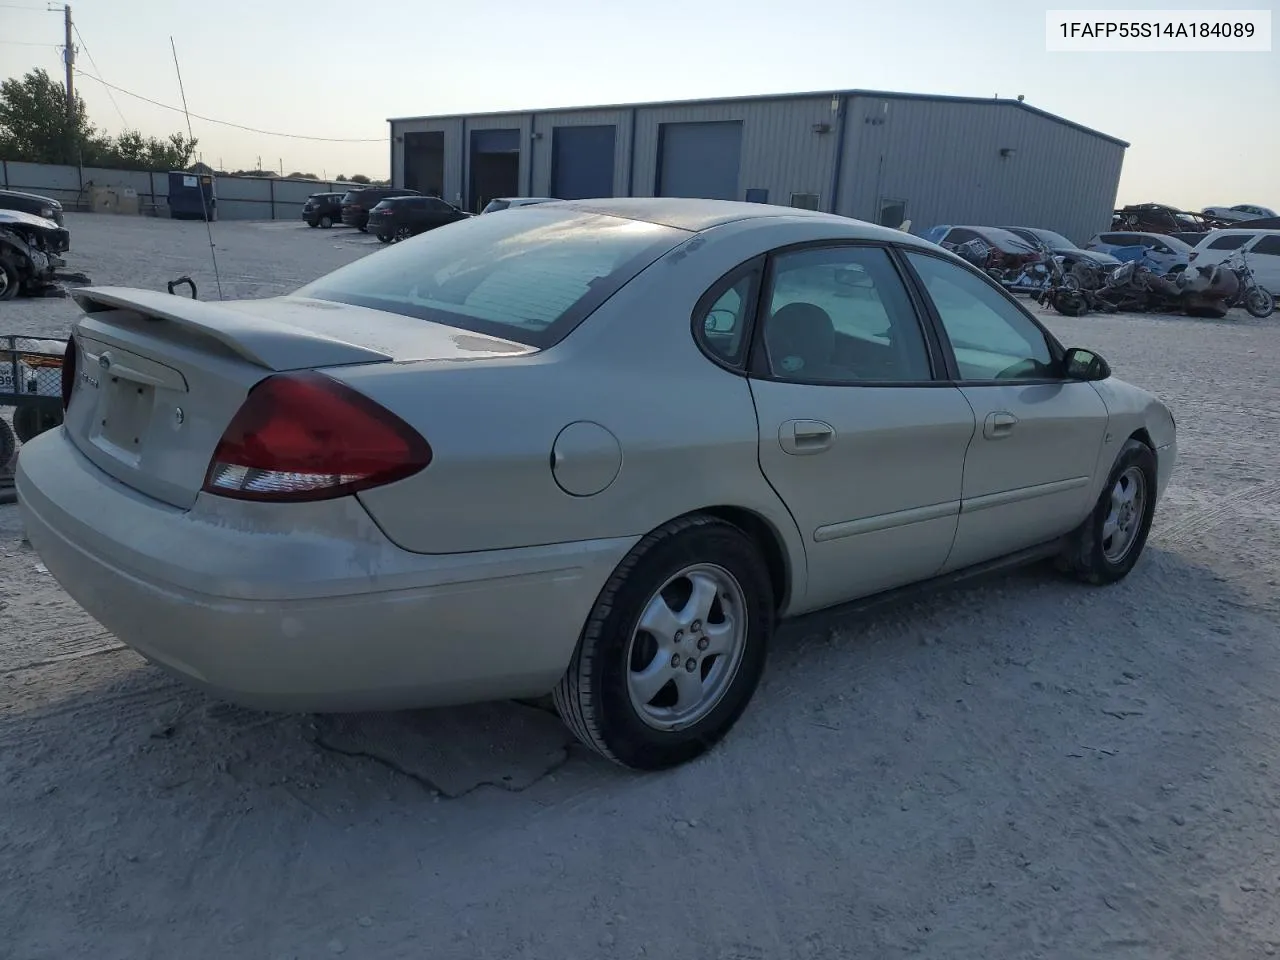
(305, 436)
(68, 372)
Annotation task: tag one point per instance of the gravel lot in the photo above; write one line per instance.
(1028, 768)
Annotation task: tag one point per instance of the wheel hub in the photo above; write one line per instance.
(686, 647)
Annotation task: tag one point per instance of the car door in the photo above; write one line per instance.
(1029, 466)
(857, 436)
(1264, 258)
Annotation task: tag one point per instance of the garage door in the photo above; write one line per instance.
(699, 159)
(582, 162)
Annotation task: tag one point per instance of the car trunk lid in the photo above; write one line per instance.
(159, 376)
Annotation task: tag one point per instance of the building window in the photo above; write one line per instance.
(892, 213)
(757, 195)
(805, 201)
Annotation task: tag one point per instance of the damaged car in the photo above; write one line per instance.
(30, 249)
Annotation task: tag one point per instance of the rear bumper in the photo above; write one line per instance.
(306, 606)
(355, 218)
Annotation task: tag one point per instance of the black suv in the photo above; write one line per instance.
(323, 210)
(31, 203)
(358, 201)
(398, 218)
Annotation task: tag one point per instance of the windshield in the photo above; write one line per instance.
(1008, 241)
(531, 278)
(495, 205)
(1054, 241)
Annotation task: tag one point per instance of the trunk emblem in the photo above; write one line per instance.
(178, 416)
(104, 361)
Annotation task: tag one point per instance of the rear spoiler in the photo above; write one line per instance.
(261, 341)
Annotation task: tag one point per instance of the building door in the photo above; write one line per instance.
(699, 159)
(494, 166)
(582, 160)
(424, 162)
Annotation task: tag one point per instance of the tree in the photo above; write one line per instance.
(360, 178)
(301, 176)
(35, 127)
(340, 179)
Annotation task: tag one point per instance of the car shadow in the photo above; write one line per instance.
(161, 733)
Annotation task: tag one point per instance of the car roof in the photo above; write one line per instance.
(697, 215)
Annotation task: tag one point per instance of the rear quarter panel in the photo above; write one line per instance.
(686, 428)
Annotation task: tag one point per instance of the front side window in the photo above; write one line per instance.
(530, 278)
(842, 315)
(1269, 245)
(992, 339)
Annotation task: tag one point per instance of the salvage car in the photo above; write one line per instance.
(29, 249)
(45, 207)
(598, 449)
(1166, 254)
(323, 210)
(1055, 244)
(1003, 255)
(399, 218)
(1241, 211)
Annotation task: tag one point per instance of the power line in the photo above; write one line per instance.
(111, 95)
(24, 6)
(227, 123)
(30, 43)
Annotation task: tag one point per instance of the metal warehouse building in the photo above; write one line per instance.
(883, 157)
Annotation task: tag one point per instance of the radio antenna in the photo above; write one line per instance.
(204, 207)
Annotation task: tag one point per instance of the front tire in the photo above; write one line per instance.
(1108, 544)
(674, 647)
(8, 447)
(10, 279)
(1260, 302)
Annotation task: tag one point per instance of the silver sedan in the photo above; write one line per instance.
(599, 450)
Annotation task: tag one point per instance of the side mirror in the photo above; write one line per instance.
(1081, 364)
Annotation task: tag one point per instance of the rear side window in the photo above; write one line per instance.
(531, 278)
(1269, 245)
(1232, 241)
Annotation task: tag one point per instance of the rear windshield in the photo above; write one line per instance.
(530, 279)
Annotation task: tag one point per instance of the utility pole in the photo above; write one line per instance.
(69, 59)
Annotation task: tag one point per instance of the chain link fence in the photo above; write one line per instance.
(30, 395)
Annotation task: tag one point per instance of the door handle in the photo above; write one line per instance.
(999, 425)
(802, 438)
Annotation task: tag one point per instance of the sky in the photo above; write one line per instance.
(1202, 125)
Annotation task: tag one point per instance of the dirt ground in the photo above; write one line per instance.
(1028, 768)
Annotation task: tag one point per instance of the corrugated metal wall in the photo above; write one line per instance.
(545, 123)
(943, 159)
(780, 151)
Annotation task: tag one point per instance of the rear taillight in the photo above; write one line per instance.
(68, 372)
(306, 436)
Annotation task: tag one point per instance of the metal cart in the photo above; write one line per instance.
(30, 394)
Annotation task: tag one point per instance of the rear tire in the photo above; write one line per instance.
(29, 422)
(326, 222)
(607, 696)
(1108, 544)
(8, 447)
(363, 229)
(384, 238)
(10, 279)
(312, 224)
